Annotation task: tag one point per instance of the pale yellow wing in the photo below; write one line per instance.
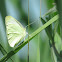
(15, 31)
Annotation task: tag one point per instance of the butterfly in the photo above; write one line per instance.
(14, 30)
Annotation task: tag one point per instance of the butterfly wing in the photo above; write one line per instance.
(15, 31)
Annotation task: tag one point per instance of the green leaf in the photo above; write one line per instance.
(48, 29)
(52, 10)
(58, 42)
(59, 8)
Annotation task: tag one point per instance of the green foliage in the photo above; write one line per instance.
(30, 37)
(53, 31)
(59, 8)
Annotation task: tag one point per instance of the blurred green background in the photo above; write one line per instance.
(19, 10)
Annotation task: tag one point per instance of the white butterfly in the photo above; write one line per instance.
(15, 31)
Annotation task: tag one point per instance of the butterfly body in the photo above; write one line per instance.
(15, 31)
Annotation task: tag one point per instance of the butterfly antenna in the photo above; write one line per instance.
(31, 23)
